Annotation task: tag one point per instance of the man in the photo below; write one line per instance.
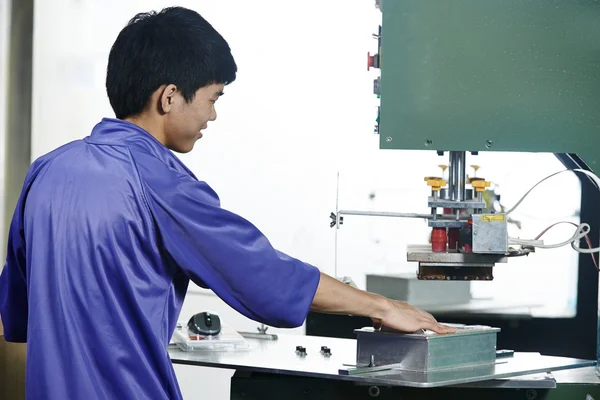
(109, 230)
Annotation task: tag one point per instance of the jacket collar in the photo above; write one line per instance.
(117, 132)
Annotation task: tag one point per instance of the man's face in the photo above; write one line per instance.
(185, 121)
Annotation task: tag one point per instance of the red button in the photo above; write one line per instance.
(370, 61)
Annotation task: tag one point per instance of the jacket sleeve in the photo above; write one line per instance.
(223, 251)
(13, 283)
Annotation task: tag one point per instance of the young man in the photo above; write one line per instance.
(109, 230)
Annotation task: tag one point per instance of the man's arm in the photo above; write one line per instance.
(223, 251)
(333, 296)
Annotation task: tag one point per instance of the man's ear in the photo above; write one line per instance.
(167, 98)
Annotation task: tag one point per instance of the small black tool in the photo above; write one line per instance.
(205, 324)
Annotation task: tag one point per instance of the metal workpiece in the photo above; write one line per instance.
(279, 357)
(426, 352)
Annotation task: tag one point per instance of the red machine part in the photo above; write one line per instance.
(370, 61)
(439, 240)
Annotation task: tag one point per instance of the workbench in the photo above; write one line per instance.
(271, 369)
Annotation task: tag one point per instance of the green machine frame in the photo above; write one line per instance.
(490, 75)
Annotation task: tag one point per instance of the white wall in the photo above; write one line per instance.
(301, 110)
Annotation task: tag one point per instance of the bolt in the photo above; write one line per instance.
(428, 142)
(372, 361)
(531, 394)
(488, 144)
(374, 391)
(388, 139)
(326, 351)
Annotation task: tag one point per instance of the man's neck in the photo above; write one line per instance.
(151, 125)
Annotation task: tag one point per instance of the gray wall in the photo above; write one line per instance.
(17, 156)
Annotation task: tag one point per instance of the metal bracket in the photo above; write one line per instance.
(334, 218)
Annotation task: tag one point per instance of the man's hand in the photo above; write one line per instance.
(403, 317)
(336, 297)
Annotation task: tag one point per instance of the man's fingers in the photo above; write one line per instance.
(448, 329)
(438, 328)
(430, 317)
(427, 316)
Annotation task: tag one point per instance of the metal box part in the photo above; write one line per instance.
(490, 234)
(422, 352)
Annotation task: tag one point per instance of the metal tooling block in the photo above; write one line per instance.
(424, 255)
(427, 351)
(490, 233)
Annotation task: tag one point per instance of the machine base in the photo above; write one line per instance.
(264, 386)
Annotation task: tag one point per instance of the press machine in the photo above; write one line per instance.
(467, 76)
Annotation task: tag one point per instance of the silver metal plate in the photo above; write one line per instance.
(423, 254)
(279, 357)
(462, 265)
(536, 381)
(440, 203)
(446, 224)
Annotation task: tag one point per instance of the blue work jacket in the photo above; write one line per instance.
(107, 233)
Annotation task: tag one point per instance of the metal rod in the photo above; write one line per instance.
(260, 336)
(396, 214)
(457, 176)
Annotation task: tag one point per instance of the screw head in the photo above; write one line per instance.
(374, 391)
(489, 143)
(388, 139)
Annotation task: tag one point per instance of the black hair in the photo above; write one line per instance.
(174, 46)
